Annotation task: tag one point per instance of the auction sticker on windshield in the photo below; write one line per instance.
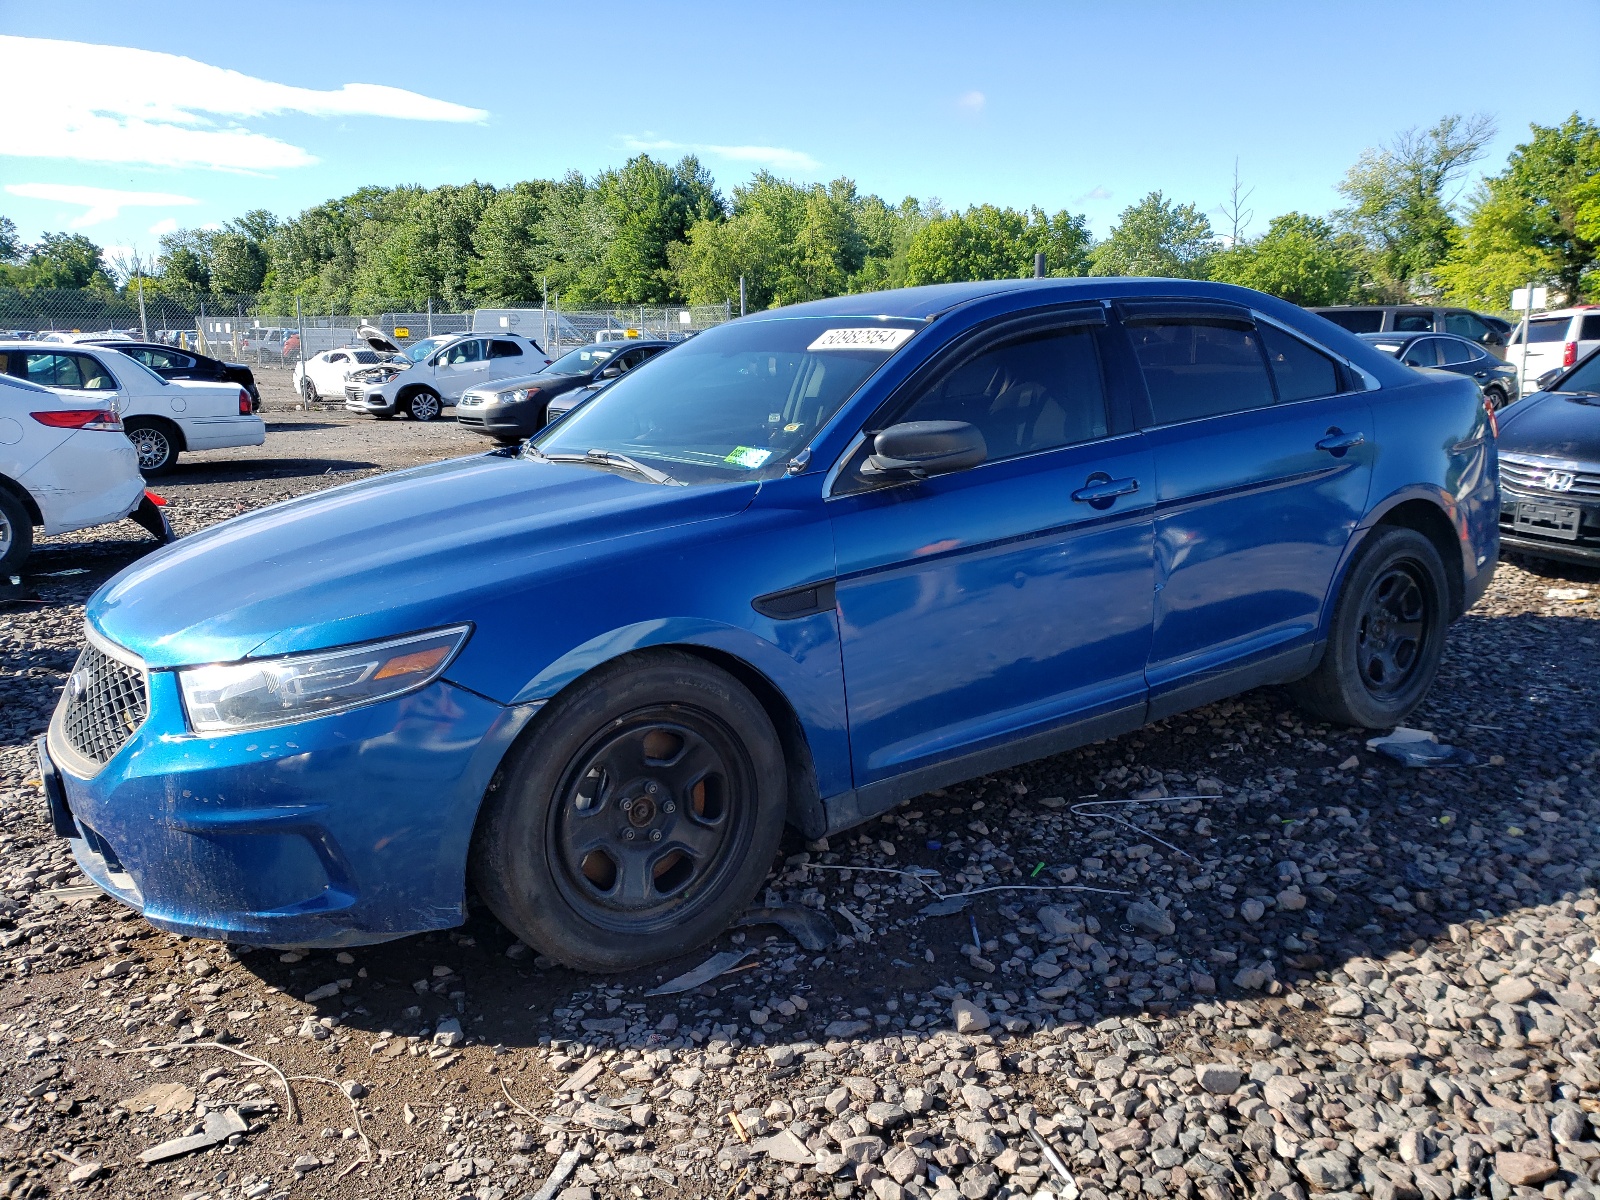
(747, 457)
(881, 337)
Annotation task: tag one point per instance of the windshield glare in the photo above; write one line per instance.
(1585, 379)
(734, 403)
(580, 362)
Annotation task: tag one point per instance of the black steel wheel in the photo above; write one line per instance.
(636, 817)
(1387, 634)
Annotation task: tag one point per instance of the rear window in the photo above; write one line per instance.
(499, 349)
(1195, 370)
(1356, 320)
(1552, 330)
(1300, 372)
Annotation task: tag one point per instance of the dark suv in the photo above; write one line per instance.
(1490, 332)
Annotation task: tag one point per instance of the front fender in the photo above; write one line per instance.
(798, 658)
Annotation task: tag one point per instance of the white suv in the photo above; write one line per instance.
(1555, 340)
(439, 371)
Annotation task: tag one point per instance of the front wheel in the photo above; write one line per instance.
(308, 391)
(155, 444)
(16, 534)
(1387, 635)
(1494, 398)
(639, 817)
(425, 406)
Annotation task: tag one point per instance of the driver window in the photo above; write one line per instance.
(1026, 394)
(464, 352)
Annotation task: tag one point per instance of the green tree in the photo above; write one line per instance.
(1401, 201)
(986, 242)
(648, 207)
(1300, 258)
(10, 245)
(61, 260)
(1157, 237)
(1538, 219)
(508, 267)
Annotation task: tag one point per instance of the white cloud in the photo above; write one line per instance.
(972, 101)
(777, 157)
(122, 105)
(165, 226)
(98, 204)
(1098, 192)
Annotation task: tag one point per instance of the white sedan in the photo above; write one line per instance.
(322, 375)
(64, 465)
(163, 417)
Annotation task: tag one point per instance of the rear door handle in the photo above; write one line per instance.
(1100, 489)
(1337, 442)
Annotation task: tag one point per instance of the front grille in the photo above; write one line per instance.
(1529, 475)
(352, 392)
(106, 702)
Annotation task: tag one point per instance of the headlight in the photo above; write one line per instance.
(228, 697)
(516, 395)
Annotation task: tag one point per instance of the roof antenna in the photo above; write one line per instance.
(1038, 265)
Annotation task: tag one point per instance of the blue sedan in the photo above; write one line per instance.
(812, 563)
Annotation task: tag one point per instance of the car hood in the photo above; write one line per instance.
(435, 545)
(1553, 425)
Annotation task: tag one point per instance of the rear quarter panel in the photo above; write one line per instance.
(1434, 443)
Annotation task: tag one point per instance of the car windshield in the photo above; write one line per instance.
(1585, 378)
(418, 351)
(733, 403)
(581, 361)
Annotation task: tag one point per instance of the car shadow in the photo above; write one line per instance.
(1385, 858)
(235, 470)
(301, 426)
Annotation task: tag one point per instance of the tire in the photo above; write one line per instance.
(424, 406)
(639, 819)
(156, 443)
(308, 391)
(1387, 635)
(1495, 398)
(16, 534)
(509, 441)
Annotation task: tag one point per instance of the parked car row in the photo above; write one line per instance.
(1445, 352)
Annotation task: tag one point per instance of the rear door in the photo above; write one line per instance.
(1547, 339)
(1010, 600)
(1263, 461)
(507, 359)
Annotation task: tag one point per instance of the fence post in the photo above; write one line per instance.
(741, 295)
(144, 325)
(300, 328)
(430, 316)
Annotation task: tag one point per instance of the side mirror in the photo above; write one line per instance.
(918, 449)
(1548, 378)
(1493, 338)
(611, 373)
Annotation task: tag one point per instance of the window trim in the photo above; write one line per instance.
(1359, 374)
(966, 346)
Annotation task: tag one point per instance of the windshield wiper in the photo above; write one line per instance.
(605, 458)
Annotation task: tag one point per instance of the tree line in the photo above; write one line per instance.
(653, 233)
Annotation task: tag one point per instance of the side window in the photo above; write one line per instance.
(464, 352)
(1300, 372)
(53, 370)
(1357, 320)
(337, 358)
(95, 377)
(1194, 369)
(499, 349)
(1464, 324)
(1413, 322)
(1453, 353)
(1423, 352)
(1024, 395)
(1590, 329)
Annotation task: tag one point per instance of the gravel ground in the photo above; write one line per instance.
(1331, 975)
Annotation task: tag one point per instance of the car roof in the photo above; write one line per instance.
(1574, 311)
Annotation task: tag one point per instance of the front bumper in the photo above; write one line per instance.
(337, 831)
(368, 398)
(517, 420)
(1584, 549)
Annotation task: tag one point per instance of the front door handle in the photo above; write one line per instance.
(1100, 490)
(1337, 441)
(1480, 374)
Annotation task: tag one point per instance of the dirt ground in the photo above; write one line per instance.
(1330, 975)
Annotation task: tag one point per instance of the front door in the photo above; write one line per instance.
(1010, 600)
(1263, 458)
(461, 366)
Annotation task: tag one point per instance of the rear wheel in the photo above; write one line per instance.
(1494, 398)
(155, 443)
(308, 391)
(16, 534)
(640, 819)
(1387, 636)
(425, 406)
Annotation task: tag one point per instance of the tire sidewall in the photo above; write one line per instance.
(16, 552)
(1387, 548)
(513, 870)
(425, 398)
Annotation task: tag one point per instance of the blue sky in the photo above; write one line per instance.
(1083, 106)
